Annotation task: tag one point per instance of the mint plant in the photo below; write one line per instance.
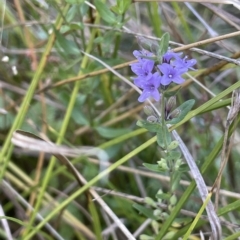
(157, 69)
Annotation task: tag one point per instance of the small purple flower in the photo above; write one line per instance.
(169, 55)
(143, 68)
(170, 74)
(183, 63)
(149, 87)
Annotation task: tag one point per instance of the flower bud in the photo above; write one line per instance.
(152, 119)
(157, 212)
(155, 226)
(171, 207)
(173, 199)
(175, 113)
(148, 110)
(158, 197)
(163, 164)
(177, 164)
(173, 145)
(164, 216)
(171, 103)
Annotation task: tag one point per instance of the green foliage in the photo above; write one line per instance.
(111, 132)
(106, 14)
(154, 167)
(66, 46)
(85, 104)
(164, 44)
(121, 7)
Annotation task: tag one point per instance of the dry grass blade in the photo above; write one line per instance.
(5, 225)
(202, 188)
(3, 111)
(32, 142)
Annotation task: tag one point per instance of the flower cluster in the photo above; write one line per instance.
(151, 75)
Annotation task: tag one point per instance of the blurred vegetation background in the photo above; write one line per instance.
(51, 88)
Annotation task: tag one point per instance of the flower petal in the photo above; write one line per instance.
(156, 95)
(178, 80)
(145, 94)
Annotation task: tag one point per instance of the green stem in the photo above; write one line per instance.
(163, 119)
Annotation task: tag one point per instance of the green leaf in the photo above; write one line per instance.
(154, 167)
(79, 117)
(150, 202)
(174, 155)
(174, 144)
(183, 168)
(151, 127)
(121, 6)
(164, 44)
(184, 110)
(105, 13)
(175, 180)
(163, 196)
(84, 8)
(71, 26)
(76, 26)
(116, 9)
(99, 39)
(163, 137)
(71, 13)
(67, 46)
(145, 211)
(111, 132)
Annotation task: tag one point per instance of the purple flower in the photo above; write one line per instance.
(183, 63)
(169, 55)
(143, 68)
(149, 87)
(170, 74)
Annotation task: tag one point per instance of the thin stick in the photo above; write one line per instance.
(227, 142)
